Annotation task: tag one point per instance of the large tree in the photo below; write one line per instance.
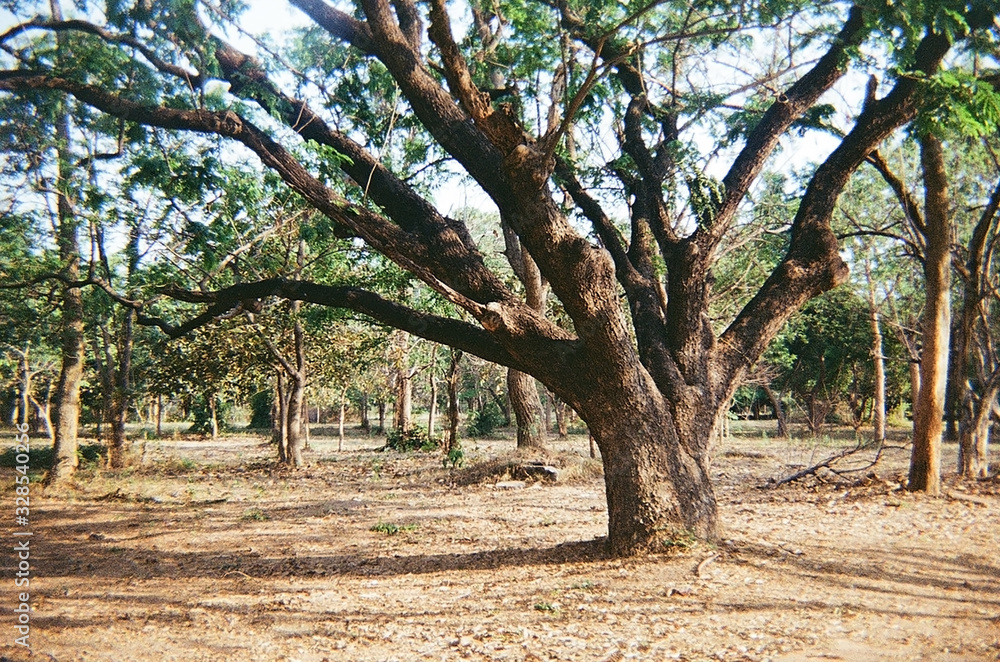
(644, 365)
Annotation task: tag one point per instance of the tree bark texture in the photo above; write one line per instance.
(878, 405)
(452, 380)
(928, 418)
(67, 396)
(527, 407)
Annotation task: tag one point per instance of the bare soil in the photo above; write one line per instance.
(210, 553)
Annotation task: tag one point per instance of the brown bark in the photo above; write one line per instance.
(562, 419)
(527, 408)
(120, 451)
(340, 420)
(974, 437)
(878, 405)
(928, 419)
(969, 364)
(403, 411)
(281, 416)
(452, 380)
(432, 407)
(779, 411)
(67, 395)
(366, 423)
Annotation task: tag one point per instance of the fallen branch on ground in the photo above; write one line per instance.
(828, 464)
(982, 501)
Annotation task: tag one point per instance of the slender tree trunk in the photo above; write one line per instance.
(878, 405)
(779, 411)
(43, 413)
(928, 420)
(120, 452)
(25, 385)
(296, 373)
(159, 415)
(452, 380)
(381, 416)
(340, 420)
(521, 389)
(213, 411)
(547, 407)
(974, 431)
(281, 419)
(296, 396)
(404, 399)
(366, 423)
(67, 418)
(432, 409)
(305, 422)
(527, 409)
(563, 414)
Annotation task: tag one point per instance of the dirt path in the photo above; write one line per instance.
(375, 556)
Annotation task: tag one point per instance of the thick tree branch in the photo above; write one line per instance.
(434, 106)
(447, 239)
(813, 263)
(785, 110)
(499, 128)
(338, 24)
(389, 239)
(245, 296)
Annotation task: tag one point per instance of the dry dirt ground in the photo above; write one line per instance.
(209, 553)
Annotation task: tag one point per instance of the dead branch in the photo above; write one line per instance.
(827, 464)
(982, 501)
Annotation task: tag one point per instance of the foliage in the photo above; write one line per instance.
(391, 529)
(40, 457)
(486, 420)
(414, 439)
(455, 458)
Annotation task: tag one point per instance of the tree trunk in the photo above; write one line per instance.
(974, 431)
(296, 396)
(340, 420)
(404, 400)
(547, 410)
(563, 414)
(159, 415)
(119, 454)
(25, 385)
(43, 413)
(878, 406)
(305, 422)
(657, 483)
(527, 409)
(381, 416)
(452, 380)
(779, 411)
(214, 415)
(67, 418)
(366, 423)
(281, 417)
(432, 409)
(928, 419)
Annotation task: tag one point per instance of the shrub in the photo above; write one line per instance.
(416, 438)
(486, 421)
